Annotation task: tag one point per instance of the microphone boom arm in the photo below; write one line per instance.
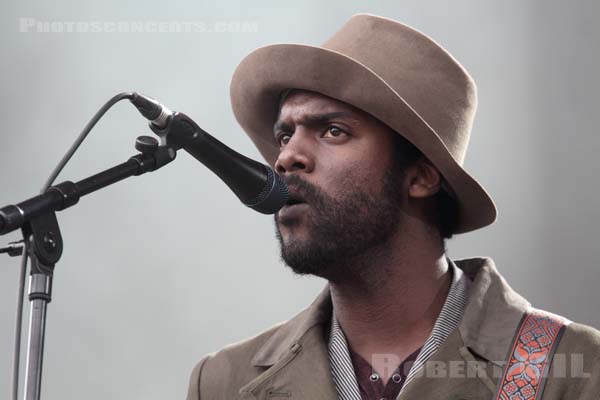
(67, 194)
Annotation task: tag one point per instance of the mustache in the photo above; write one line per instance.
(307, 191)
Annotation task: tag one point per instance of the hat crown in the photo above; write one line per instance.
(422, 72)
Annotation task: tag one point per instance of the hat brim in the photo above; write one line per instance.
(261, 77)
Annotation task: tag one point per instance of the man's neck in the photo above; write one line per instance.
(391, 309)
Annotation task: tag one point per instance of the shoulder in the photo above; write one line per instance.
(582, 337)
(575, 370)
(579, 340)
(234, 362)
(222, 374)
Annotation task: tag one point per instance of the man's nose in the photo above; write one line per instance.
(295, 155)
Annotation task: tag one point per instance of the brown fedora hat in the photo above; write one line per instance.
(390, 70)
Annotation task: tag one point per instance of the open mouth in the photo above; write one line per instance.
(293, 210)
(294, 199)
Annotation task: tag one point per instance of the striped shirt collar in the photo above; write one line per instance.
(340, 362)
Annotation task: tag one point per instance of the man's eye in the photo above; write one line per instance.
(334, 131)
(283, 139)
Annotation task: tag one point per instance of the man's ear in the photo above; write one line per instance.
(424, 179)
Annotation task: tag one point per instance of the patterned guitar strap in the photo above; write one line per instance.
(530, 356)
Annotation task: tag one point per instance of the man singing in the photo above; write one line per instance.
(370, 132)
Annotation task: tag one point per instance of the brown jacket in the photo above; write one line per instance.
(290, 360)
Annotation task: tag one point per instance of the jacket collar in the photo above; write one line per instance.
(493, 310)
(491, 316)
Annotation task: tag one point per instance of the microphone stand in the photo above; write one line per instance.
(36, 218)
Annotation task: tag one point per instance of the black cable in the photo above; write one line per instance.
(57, 170)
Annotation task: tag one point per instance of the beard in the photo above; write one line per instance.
(344, 233)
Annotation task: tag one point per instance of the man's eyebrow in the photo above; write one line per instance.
(314, 120)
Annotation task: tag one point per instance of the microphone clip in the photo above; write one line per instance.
(160, 155)
(179, 131)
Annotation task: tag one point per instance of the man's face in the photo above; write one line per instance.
(339, 164)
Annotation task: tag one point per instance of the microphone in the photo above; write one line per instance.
(254, 183)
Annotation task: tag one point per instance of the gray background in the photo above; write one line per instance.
(161, 269)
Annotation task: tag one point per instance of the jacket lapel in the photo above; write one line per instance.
(296, 358)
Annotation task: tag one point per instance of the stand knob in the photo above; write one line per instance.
(146, 144)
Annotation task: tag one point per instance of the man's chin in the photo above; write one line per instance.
(293, 240)
(293, 233)
(304, 258)
(304, 268)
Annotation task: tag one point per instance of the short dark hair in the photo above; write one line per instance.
(445, 212)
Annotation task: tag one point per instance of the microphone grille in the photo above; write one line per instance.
(273, 195)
